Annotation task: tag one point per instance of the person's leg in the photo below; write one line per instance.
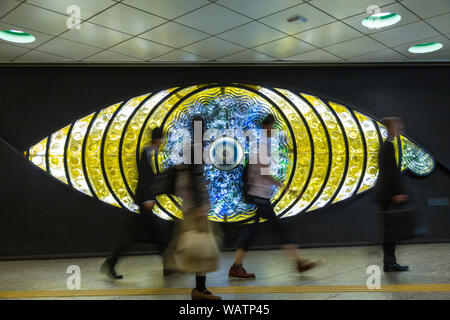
(389, 259)
(246, 236)
(239, 256)
(389, 253)
(200, 281)
(109, 264)
(200, 292)
(283, 230)
(125, 236)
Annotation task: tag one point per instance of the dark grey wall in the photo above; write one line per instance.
(42, 217)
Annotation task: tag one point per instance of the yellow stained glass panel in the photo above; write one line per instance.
(355, 149)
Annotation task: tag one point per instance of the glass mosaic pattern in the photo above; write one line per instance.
(327, 152)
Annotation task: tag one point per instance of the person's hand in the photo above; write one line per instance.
(400, 198)
(149, 205)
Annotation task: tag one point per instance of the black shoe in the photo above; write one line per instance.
(394, 267)
(108, 268)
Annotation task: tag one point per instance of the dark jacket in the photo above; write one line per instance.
(151, 181)
(389, 182)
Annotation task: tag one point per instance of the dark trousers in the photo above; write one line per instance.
(143, 228)
(388, 246)
(264, 209)
(389, 252)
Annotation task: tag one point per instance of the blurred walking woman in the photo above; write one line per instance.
(194, 248)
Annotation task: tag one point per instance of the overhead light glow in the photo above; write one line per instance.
(381, 20)
(426, 47)
(16, 36)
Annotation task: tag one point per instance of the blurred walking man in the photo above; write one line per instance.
(146, 227)
(390, 191)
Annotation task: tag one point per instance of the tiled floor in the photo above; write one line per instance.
(344, 266)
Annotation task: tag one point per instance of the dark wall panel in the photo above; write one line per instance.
(40, 216)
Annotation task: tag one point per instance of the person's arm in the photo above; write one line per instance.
(146, 196)
(397, 192)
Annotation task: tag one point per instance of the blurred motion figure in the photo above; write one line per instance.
(146, 227)
(390, 190)
(194, 246)
(258, 189)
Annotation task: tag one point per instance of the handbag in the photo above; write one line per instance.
(402, 222)
(196, 248)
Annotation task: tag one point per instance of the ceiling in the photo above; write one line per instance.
(161, 31)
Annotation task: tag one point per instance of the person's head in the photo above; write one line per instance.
(394, 126)
(268, 123)
(157, 135)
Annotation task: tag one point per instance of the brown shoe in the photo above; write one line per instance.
(205, 295)
(305, 265)
(238, 271)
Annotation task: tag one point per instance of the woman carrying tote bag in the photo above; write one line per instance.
(194, 248)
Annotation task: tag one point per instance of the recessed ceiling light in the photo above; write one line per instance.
(16, 36)
(425, 47)
(381, 20)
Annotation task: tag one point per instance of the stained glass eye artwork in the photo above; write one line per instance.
(327, 152)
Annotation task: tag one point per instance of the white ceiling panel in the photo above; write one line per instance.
(180, 56)
(407, 17)
(341, 9)
(318, 55)
(127, 19)
(69, 49)
(7, 5)
(87, 7)
(141, 48)
(426, 9)
(441, 23)
(9, 52)
(329, 34)
(258, 8)
(41, 57)
(94, 35)
(174, 34)
(386, 55)
(355, 47)
(252, 34)
(223, 30)
(404, 34)
(109, 56)
(37, 19)
(213, 19)
(168, 9)
(284, 48)
(315, 18)
(40, 37)
(213, 48)
(246, 56)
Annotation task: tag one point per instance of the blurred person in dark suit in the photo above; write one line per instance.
(145, 227)
(390, 189)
